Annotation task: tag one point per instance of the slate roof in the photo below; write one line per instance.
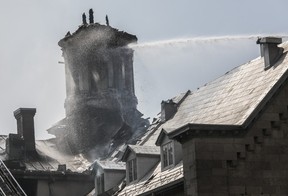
(152, 150)
(141, 150)
(111, 165)
(233, 99)
(152, 133)
(155, 180)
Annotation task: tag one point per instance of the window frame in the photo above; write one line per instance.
(132, 170)
(167, 155)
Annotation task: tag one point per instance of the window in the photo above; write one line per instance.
(167, 154)
(132, 170)
(100, 183)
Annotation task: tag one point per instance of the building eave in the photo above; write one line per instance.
(206, 130)
(55, 175)
(126, 154)
(160, 137)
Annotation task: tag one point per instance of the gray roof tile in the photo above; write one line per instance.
(232, 98)
(152, 150)
(112, 165)
(156, 180)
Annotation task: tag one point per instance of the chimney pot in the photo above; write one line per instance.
(270, 50)
(62, 167)
(25, 127)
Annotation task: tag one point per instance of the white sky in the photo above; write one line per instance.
(30, 75)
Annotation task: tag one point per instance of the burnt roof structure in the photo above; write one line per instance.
(104, 35)
(40, 166)
(100, 104)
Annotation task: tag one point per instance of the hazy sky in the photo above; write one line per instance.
(30, 75)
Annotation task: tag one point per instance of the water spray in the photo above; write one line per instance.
(212, 39)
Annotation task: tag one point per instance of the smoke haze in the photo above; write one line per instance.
(30, 75)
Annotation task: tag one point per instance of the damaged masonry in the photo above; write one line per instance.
(101, 106)
(228, 137)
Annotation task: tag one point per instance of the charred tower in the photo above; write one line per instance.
(100, 98)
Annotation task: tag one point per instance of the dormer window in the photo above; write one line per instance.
(171, 151)
(140, 160)
(167, 152)
(108, 174)
(132, 170)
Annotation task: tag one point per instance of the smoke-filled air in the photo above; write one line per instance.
(175, 52)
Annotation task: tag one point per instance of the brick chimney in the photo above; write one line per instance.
(270, 50)
(25, 127)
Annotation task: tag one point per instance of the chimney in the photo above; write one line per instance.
(25, 127)
(168, 109)
(270, 50)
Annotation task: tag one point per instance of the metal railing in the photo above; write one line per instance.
(8, 184)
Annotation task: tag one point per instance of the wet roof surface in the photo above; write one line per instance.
(155, 180)
(152, 150)
(230, 99)
(112, 165)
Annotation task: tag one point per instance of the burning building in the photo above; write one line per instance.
(101, 106)
(228, 137)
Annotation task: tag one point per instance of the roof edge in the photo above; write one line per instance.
(278, 85)
(31, 174)
(126, 153)
(168, 186)
(207, 130)
(160, 137)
